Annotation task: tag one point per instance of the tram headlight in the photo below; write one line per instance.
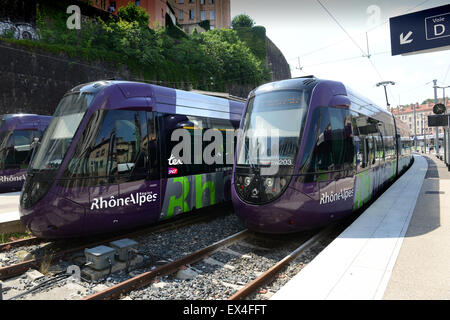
(247, 181)
(269, 182)
(33, 190)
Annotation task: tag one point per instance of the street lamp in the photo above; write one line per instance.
(385, 84)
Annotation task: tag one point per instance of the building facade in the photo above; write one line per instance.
(406, 114)
(191, 12)
(156, 8)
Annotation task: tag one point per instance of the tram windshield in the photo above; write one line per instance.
(61, 130)
(272, 127)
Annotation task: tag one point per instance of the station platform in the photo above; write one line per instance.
(398, 248)
(9, 213)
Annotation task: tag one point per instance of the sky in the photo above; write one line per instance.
(309, 36)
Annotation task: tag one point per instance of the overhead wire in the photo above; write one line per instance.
(368, 30)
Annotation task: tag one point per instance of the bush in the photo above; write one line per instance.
(242, 21)
(132, 13)
(209, 61)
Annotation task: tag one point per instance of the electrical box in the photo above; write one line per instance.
(99, 258)
(122, 247)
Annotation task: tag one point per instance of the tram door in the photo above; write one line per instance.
(138, 167)
(122, 190)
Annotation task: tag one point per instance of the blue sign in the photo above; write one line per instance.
(422, 31)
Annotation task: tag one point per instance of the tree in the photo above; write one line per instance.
(131, 13)
(242, 21)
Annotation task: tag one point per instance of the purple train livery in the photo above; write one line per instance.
(310, 152)
(17, 133)
(106, 161)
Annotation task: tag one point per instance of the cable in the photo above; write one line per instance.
(58, 278)
(343, 29)
(368, 30)
(446, 74)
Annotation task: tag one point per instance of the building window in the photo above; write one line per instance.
(211, 1)
(211, 15)
(203, 15)
(138, 3)
(191, 14)
(181, 14)
(202, 1)
(180, 1)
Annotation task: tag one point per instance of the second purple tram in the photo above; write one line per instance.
(17, 133)
(107, 160)
(312, 151)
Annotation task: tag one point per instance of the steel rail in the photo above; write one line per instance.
(19, 243)
(146, 278)
(19, 268)
(270, 274)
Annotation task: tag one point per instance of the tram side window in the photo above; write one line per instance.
(111, 149)
(212, 154)
(15, 149)
(323, 152)
(180, 153)
(22, 147)
(10, 162)
(130, 133)
(361, 151)
(222, 145)
(379, 148)
(371, 142)
(334, 148)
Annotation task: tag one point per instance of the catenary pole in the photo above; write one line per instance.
(437, 128)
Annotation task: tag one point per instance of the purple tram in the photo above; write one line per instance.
(17, 134)
(310, 152)
(106, 161)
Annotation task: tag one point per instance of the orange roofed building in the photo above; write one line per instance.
(406, 114)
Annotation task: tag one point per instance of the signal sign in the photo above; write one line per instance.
(422, 31)
(439, 108)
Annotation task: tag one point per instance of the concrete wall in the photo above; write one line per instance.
(277, 62)
(35, 81)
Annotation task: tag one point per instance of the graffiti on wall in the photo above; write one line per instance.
(18, 30)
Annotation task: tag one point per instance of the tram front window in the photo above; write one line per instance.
(61, 130)
(272, 127)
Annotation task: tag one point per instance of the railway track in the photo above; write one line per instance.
(19, 243)
(280, 252)
(143, 280)
(267, 276)
(55, 250)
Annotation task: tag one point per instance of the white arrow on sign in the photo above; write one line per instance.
(406, 40)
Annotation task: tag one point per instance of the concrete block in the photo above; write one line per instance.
(95, 275)
(34, 275)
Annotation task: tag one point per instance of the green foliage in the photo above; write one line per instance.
(209, 61)
(255, 39)
(242, 21)
(132, 13)
(205, 24)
